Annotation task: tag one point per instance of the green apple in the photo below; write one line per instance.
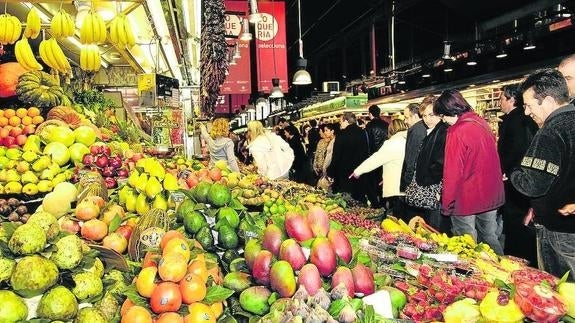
(85, 135)
(77, 152)
(58, 152)
(30, 189)
(62, 135)
(13, 188)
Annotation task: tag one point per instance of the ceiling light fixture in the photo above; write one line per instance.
(301, 77)
(276, 91)
(446, 50)
(245, 36)
(254, 16)
(501, 53)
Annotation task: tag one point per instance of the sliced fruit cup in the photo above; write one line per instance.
(539, 303)
(476, 289)
(533, 276)
(407, 251)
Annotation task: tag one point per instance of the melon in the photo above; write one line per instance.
(10, 73)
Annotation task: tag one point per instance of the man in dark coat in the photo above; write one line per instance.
(293, 138)
(349, 150)
(313, 138)
(415, 134)
(515, 134)
(376, 130)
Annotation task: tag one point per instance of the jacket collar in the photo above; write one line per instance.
(565, 108)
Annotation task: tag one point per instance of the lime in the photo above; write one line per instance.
(194, 221)
(230, 215)
(274, 209)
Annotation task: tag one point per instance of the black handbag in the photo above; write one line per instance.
(423, 197)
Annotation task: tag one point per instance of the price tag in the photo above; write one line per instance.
(178, 197)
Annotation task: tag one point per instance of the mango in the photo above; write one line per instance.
(343, 276)
(282, 278)
(262, 266)
(363, 279)
(272, 239)
(292, 252)
(253, 247)
(318, 221)
(297, 227)
(310, 278)
(323, 256)
(255, 300)
(237, 281)
(340, 245)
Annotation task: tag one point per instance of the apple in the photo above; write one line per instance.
(29, 129)
(4, 132)
(96, 149)
(126, 231)
(68, 225)
(107, 151)
(58, 151)
(122, 172)
(101, 161)
(15, 132)
(192, 181)
(88, 160)
(77, 152)
(116, 162)
(9, 141)
(108, 172)
(110, 182)
(116, 242)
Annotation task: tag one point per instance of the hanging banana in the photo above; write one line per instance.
(121, 33)
(33, 24)
(25, 56)
(90, 60)
(53, 56)
(62, 25)
(10, 29)
(93, 30)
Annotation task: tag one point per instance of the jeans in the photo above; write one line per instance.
(482, 227)
(555, 251)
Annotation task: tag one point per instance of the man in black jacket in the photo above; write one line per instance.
(349, 150)
(376, 130)
(515, 134)
(293, 138)
(415, 134)
(547, 172)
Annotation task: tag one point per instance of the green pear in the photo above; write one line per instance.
(30, 189)
(133, 178)
(13, 188)
(29, 177)
(3, 175)
(59, 178)
(142, 181)
(171, 182)
(13, 153)
(32, 144)
(160, 202)
(131, 199)
(47, 174)
(142, 206)
(22, 166)
(41, 163)
(153, 187)
(3, 151)
(12, 176)
(156, 169)
(45, 186)
(123, 194)
(29, 156)
(4, 162)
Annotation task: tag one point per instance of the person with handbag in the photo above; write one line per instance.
(272, 156)
(424, 191)
(390, 157)
(323, 155)
(472, 178)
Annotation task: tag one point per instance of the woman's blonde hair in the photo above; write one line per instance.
(220, 128)
(256, 128)
(396, 126)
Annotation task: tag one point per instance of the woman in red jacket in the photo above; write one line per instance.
(472, 178)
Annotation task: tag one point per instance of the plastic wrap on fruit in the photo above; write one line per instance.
(497, 306)
(465, 310)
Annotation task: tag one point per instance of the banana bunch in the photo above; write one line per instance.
(10, 29)
(53, 56)
(90, 58)
(121, 33)
(62, 25)
(33, 24)
(25, 56)
(93, 30)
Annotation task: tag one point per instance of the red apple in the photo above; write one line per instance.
(88, 160)
(192, 181)
(15, 132)
(96, 149)
(126, 231)
(68, 225)
(21, 140)
(9, 141)
(29, 129)
(101, 161)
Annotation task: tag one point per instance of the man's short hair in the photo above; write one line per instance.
(547, 82)
(375, 111)
(349, 117)
(413, 109)
(513, 91)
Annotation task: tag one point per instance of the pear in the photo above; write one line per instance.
(12, 176)
(47, 174)
(160, 202)
(142, 181)
(3, 175)
(41, 163)
(30, 189)
(13, 188)
(142, 163)
(131, 199)
(123, 194)
(22, 166)
(170, 182)
(153, 187)
(4, 162)
(156, 169)
(142, 206)
(29, 177)
(133, 178)
(29, 156)
(45, 186)
(59, 178)
(13, 153)
(32, 144)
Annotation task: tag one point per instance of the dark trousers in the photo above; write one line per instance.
(373, 189)
(520, 240)
(397, 207)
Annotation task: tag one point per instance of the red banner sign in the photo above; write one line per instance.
(238, 80)
(271, 50)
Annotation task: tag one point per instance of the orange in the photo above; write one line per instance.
(26, 120)
(37, 119)
(1, 112)
(21, 112)
(172, 267)
(193, 289)
(4, 132)
(169, 236)
(199, 313)
(14, 121)
(33, 111)
(179, 246)
(9, 113)
(3, 121)
(217, 309)
(145, 283)
(137, 314)
(170, 317)
(198, 268)
(126, 306)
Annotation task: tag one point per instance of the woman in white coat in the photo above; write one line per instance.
(390, 156)
(272, 156)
